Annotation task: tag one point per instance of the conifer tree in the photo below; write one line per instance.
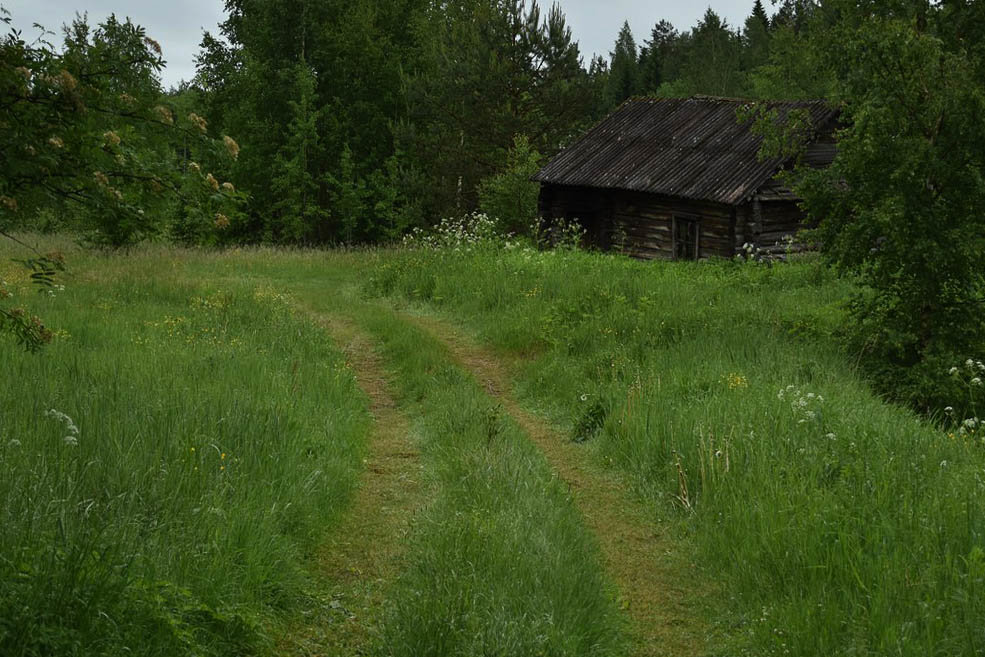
(756, 38)
(624, 75)
(654, 56)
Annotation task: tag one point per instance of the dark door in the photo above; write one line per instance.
(686, 233)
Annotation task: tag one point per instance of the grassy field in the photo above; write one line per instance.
(168, 465)
(839, 524)
(171, 465)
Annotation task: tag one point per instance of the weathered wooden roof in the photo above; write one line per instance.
(692, 148)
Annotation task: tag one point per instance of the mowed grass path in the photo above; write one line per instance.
(498, 561)
(363, 555)
(659, 587)
(566, 607)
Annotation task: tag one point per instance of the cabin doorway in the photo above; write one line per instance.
(686, 233)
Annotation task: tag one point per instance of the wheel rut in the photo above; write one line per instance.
(658, 584)
(363, 554)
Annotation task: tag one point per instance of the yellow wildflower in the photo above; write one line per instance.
(213, 183)
(228, 187)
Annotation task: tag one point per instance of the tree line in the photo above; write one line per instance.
(356, 120)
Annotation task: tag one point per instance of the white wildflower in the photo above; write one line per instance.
(70, 428)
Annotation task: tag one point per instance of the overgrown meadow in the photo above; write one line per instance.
(838, 524)
(170, 465)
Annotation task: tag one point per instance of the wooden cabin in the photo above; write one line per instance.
(680, 179)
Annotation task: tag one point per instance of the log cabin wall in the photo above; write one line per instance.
(780, 219)
(641, 225)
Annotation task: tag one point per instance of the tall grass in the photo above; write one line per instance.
(839, 524)
(168, 464)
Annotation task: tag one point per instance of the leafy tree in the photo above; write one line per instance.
(901, 205)
(486, 70)
(756, 38)
(296, 213)
(350, 97)
(714, 62)
(510, 196)
(598, 80)
(794, 14)
(86, 130)
(794, 70)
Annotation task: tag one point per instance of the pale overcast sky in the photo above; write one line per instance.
(178, 24)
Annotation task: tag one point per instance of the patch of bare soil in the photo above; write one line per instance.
(657, 582)
(363, 554)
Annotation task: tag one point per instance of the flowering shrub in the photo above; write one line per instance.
(470, 232)
(86, 131)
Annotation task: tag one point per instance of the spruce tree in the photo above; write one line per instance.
(624, 75)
